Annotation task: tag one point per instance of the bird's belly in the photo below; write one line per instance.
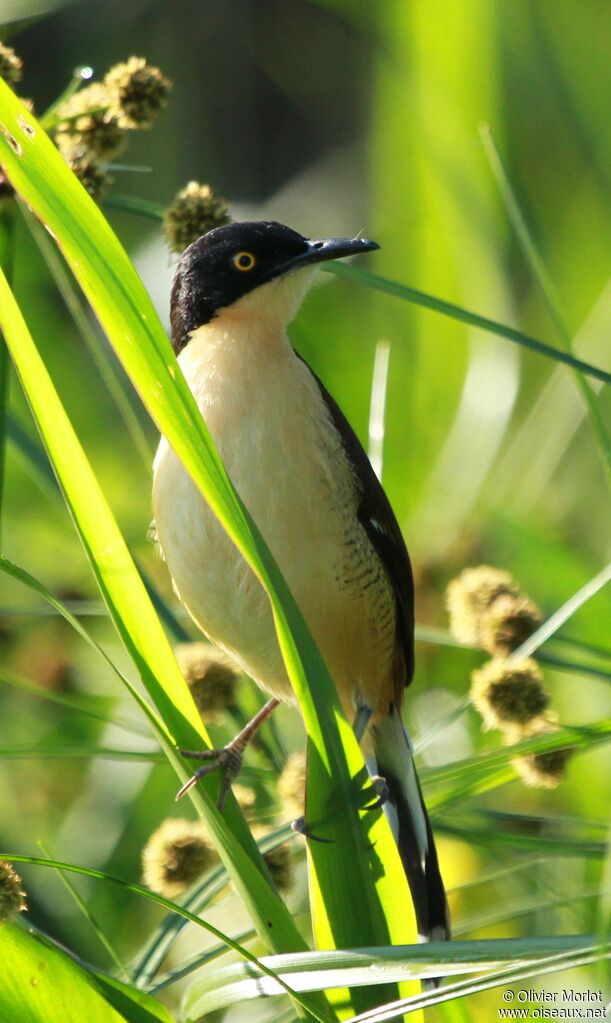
(302, 497)
(212, 579)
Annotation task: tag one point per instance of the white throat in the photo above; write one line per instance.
(270, 307)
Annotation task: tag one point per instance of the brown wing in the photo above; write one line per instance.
(379, 522)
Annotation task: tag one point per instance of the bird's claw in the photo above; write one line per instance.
(301, 828)
(380, 787)
(227, 760)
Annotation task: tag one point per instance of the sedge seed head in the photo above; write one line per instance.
(507, 622)
(12, 895)
(137, 92)
(176, 854)
(543, 770)
(87, 125)
(470, 595)
(211, 677)
(291, 785)
(195, 210)
(11, 66)
(95, 179)
(279, 861)
(509, 695)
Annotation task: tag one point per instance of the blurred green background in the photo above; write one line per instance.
(336, 116)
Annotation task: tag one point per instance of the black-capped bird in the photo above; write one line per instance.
(305, 479)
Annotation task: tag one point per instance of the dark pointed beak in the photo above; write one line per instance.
(322, 249)
(335, 248)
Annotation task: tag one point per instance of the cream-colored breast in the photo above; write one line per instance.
(270, 424)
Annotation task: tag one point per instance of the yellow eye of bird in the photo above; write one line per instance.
(244, 260)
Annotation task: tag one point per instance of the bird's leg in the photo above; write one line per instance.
(229, 759)
(362, 718)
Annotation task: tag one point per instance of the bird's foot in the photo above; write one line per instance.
(301, 828)
(227, 760)
(380, 787)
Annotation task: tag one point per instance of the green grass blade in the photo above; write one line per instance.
(138, 890)
(66, 287)
(361, 967)
(523, 907)
(541, 275)
(359, 907)
(456, 312)
(133, 204)
(42, 984)
(562, 615)
(70, 703)
(500, 978)
(80, 753)
(195, 963)
(492, 768)
(7, 231)
(31, 457)
(498, 838)
(91, 920)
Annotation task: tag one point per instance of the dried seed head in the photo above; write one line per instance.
(509, 695)
(291, 785)
(279, 861)
(211, 677)
(176, 854)
(541, 770)
(470, 595)
(507, 623)
(137, 92)
(11, 66)
(12, 895)
(195, 211)
(94, 178)
(87, 125)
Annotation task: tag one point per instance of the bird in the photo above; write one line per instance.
(303, 475)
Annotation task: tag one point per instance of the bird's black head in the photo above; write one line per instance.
(228, 262)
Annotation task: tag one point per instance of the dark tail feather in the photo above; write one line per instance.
(411, 827)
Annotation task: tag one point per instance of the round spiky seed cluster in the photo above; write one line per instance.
(94, 178)
(507, 623)
(195, 210)
(176, 854)
(12, 895)
(11, 66)
(211, 677)
(543, 770)
(291, 785)
(488, 610)
(87, 128)
(279, 860)
(137, 92)
(509, 695)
